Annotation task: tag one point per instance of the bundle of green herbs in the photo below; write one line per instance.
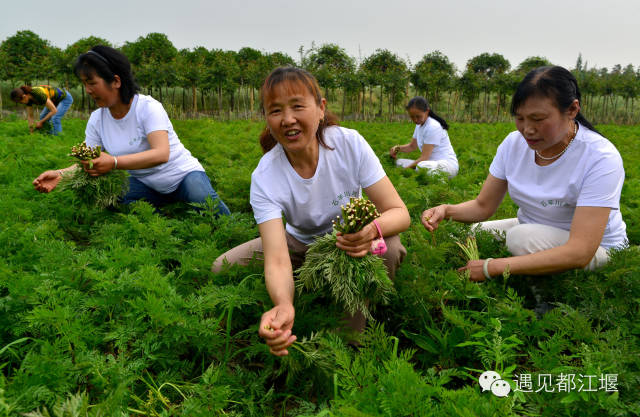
(351, 282)
(102, 191)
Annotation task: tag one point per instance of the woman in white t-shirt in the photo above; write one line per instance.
(137, 135)
(310, 168)
(564, 176)
(431, 138)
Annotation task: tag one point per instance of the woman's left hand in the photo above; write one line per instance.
(39, 124)
(101, 165)
(357, 244)
(475, 270)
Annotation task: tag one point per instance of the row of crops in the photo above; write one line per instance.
(116, 312)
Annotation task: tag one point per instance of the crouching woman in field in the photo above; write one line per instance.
(430, 137)
(310, 168)
(564, 176)
(54, 101)
(136, 134)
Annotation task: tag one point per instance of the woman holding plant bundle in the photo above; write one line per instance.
(137, 135)
(431, 138)
(564, 176)
(310, 168)
(55, 102)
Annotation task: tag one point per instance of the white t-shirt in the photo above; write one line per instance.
(129, 135)
(589, 173)
(432, 133)
(310, 204)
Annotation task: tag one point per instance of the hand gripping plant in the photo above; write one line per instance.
(352, 282)
(101, 191)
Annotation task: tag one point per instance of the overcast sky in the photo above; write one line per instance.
(605, 32)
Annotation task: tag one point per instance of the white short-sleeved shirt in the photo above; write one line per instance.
(129, 135)
(588, 174)
(432, 133)
(309, 205)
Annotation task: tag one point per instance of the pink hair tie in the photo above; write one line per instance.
(378, 246)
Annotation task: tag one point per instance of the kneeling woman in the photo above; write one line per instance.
(310, 168)
(564, 176)
(431, 138)
(138, 136)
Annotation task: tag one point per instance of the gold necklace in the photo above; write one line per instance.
(551, 158)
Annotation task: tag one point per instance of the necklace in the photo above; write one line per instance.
(551, 158)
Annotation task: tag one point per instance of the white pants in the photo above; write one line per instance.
(523, 239)
(440, 165)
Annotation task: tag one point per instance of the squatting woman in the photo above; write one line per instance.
(310, 167)
(136, 134)
(430, 137)
(564, 176)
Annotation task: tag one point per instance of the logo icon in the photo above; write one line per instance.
(492, 381)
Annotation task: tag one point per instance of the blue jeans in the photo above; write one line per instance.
(194, 188)
(63, 106)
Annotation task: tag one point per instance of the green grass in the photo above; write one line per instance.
(117, 312)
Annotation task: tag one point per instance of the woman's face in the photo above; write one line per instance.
(105, 94)
(293, 116)
(24, 99)
(545, 128)
(418, 116)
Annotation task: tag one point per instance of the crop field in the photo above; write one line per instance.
(116, 312)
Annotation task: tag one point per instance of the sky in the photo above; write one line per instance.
(606, 33)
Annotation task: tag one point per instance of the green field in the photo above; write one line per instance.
(117, 312)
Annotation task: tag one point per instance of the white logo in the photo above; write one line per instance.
(491, 381)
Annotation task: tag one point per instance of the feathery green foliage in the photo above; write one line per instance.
(352, 282)
(102, 191)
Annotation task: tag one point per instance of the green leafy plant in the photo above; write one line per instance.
(102, 191)
(352, 282)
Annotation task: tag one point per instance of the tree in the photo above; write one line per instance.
(531, 63)
(221, 72)
(385, 69)
(27, 57)
(327, 64)
(191, 67)
(153, 60)
(433, 74)
(487, 67)
(71, 53)
(252, 65)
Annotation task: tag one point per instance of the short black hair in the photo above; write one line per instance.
(108, 62)
(554, 82)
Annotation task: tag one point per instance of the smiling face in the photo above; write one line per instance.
(293, 116)
(105, 94)
(418, 116)
(545, 128)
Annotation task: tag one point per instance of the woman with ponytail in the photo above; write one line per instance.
(431, 138)
(563, 175)
(55, 103)
(310, 168)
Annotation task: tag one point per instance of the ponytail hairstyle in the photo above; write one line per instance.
(295, 79)
(108, 62)
(553, 82)
(19, 92)
(422, 104)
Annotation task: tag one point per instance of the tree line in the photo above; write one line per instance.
(201, 81)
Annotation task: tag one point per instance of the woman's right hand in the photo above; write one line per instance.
(432, 217)
(275, 328)
(47, 181)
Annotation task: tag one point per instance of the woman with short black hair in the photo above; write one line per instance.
(137, 135)
(563, 175)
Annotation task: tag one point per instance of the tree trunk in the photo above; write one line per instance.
(219, 100)
(195, 99)
(202, 94)
(344, 100)
(184, 104)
